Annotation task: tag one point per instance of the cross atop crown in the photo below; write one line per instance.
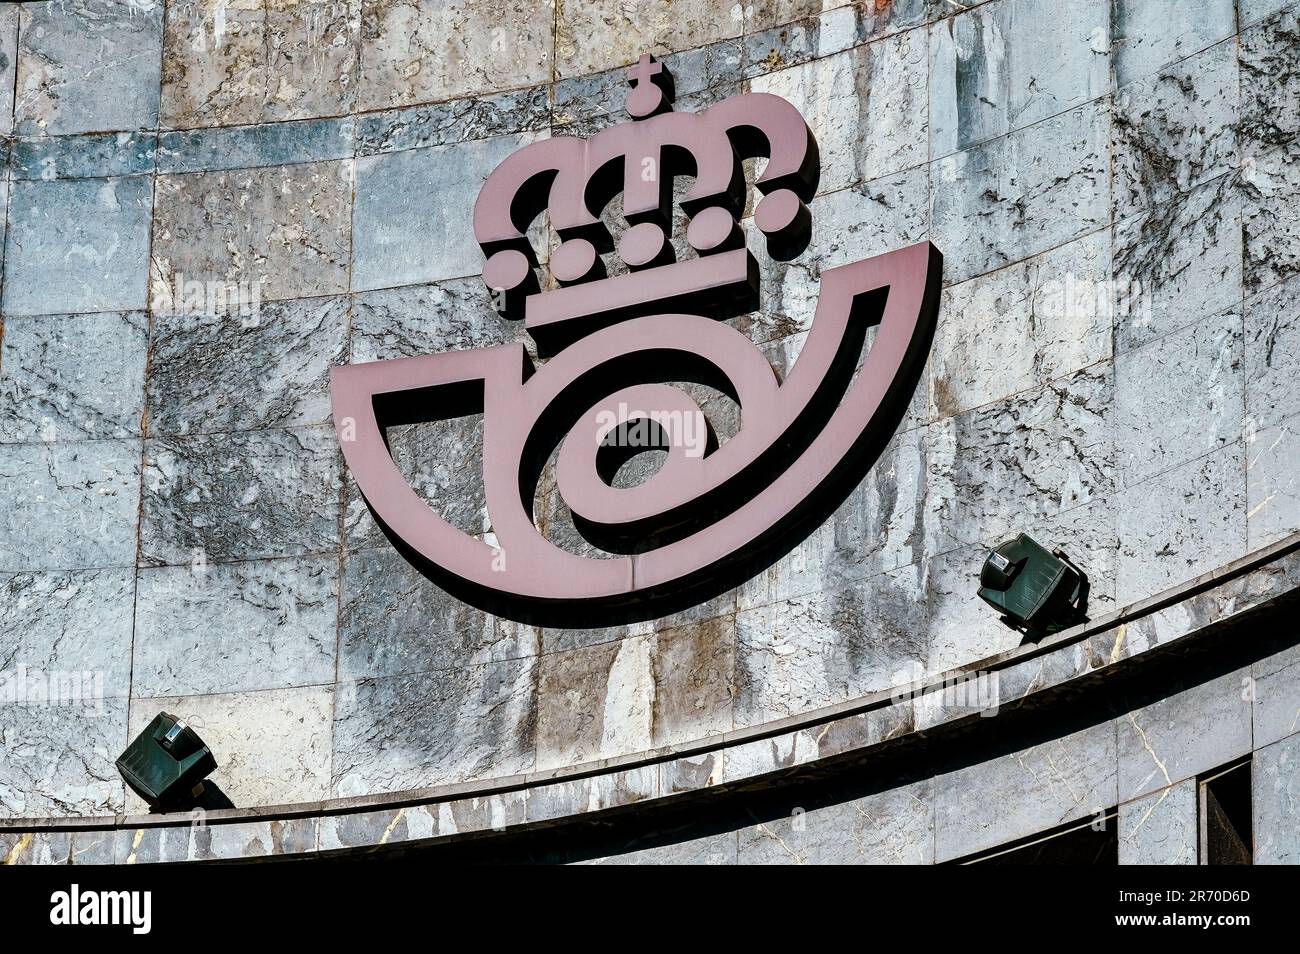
(574, 180)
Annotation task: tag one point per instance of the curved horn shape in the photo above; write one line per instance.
(709, 523)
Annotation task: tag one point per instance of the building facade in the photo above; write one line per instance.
(210, 204)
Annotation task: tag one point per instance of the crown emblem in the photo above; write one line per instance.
(574, 180)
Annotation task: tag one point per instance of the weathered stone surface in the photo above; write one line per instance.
(815, 650)
(392, 621)
(1003, 66)
(58, 760)
(1018, 327)
(1160, 829)
(892, 827)
(1197, 406)
(415, 52)
(1031, 456)
(1270, 84)
(65, 52)
(219, 372)
(440, 124)
(249, 147)
(72, 377)
(1183, 735)
(1275, 697)
(1270, 211)
(246, 61)
(709, 850)
(428, 193)
(1272, 352)
(200, 841)
(1275, 788)
(77, 245)
(1021, 194)
(870, 219)
(597, 35)
(424, 319)
(1175, 130)
(1252, 11)
(866, 106)
(1272, 484)
(69, 506)
(284, 230)
(1178, 525)
(240, 496)
(272, 748)
(1178, 263)
(1022, 793)
(441, 726)
(87, 156)
(74, 623)
(1148, 34)
(235, 627)
(9, 17)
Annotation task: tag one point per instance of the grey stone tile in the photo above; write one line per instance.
(1175, 130)
(1178, 263)
(1183, 735)
(211, 372)
(58, 760)
(961, 628)
(1148, 34)
(394, 621)
(1197, 408)
(1276, 697)
(587, 103)
(1160, 829)
(9, 16)
(240, 496)
(1023, 193)
(52, 392)
(426, 319)
(283, 229)
(202, 842)
(870, 219)
(1002, 66)
(694, 680)
(250, 62)
(603, 33)
(265, 144)
(593, 793)
(440, 124)
(1270, 210)
(84, 156)
(419, 53)
(1275, 788)
(1012, 329)
(1272, 484)
(73, 622)
(272, 747)
(421, 192)
(65, 52)
(1252, 11)
(890, 828)
(1180, 524)
(1270, 84)
(266, 624)
(77, 245)
(811, 651)
(439, 727)
(69, 506)
(709, 850)
(1272, 355)
(1011, 796)
(795, 41)
(867, 107)
(1029, 457)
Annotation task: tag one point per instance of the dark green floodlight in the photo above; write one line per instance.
(166, 764)
(1037, 591)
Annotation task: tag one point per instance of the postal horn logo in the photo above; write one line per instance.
(613, 348)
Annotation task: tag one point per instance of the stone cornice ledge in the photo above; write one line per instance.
(459, 811)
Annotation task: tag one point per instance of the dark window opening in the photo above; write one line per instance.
(1226, 837)
(1094, 841)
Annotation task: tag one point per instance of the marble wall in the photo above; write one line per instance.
(1115, 188)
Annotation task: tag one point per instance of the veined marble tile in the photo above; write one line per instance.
(88, 66)
(1272, 483)
(440, 124)
(72, 377)
(1269, 56)
(270, 368)
(77, 245)
(1272, 355)
(241, 496)
(1160, 829)
(58, 760)
(871, 218)
(1270, 212)
(1023, 193)
(1275, 697)
(423, 319)
(1002, 66)
(266, 144)
(69, 505)
(272, 747)
(284, 229)
(84, 156)
(1275, 788)
(1149, 34)
(599, 34)
(9, 16)
(420, 52)
(265, 624)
